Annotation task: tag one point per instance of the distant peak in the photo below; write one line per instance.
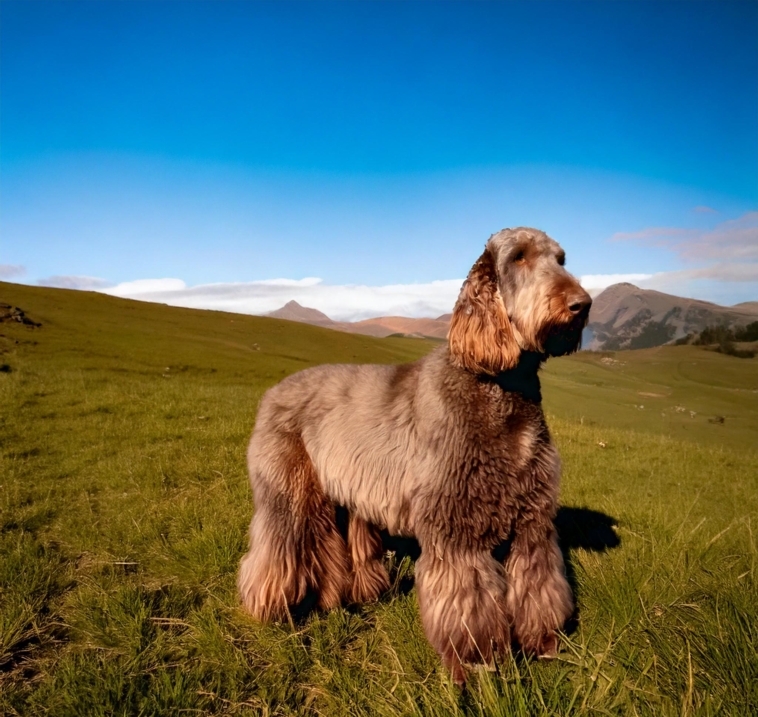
(296, 312)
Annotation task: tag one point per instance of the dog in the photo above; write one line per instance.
(452, 449)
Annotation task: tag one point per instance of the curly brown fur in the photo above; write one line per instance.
(452, 449)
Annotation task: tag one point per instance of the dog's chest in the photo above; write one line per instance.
(512, 427)
(496, 471)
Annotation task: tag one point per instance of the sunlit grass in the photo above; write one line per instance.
(124, 506)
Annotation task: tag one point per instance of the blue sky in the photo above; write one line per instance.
(376, 145)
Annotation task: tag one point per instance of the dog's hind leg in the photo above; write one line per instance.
(270, 579)
(462, 602)
(295, 544)
(369, 578)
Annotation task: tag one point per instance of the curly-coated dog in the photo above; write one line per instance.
(452, 450)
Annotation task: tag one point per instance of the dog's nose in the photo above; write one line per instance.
(578, 301)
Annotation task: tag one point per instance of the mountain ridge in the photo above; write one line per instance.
(379, 327)
(623, 316)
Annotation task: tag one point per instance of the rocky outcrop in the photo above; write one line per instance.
(10, 313)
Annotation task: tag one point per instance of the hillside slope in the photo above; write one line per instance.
(96, 330)
(107, 336)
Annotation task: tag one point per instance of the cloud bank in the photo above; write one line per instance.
(10, 271)
(732, 240)
(339, 302)
(595, 283)
(83, 283)
(349, 302)
(355, 302)
(721, 256)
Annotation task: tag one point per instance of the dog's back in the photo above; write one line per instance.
(358, 426)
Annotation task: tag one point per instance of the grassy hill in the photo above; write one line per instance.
(124, 505)
(680, 392)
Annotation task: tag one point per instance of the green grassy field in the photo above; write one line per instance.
(124, 506)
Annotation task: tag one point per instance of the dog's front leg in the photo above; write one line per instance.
(539, 598)
(369, 578)
(461, 598)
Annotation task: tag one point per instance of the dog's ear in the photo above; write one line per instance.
(481, 337)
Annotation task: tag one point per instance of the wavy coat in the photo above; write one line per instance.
(452, 449)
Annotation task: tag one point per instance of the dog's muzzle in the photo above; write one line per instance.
(567, 338)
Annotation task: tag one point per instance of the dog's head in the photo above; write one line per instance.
(517, 297)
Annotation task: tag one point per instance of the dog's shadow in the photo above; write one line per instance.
(577, 528)
(587, 529)
(583, 528)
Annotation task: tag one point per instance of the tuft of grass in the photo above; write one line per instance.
(124, 506)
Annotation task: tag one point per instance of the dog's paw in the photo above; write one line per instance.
(369, 583)
(547, 646)
(544, 646)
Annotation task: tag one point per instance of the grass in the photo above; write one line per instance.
(124, 505)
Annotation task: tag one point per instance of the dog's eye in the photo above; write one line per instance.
(519, 258)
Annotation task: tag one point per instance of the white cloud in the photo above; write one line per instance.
(595, 283)
(721, 262)
(725, 271)
(340, 302)
(701, 209)
(729, 252)
(735, 239)
(145, 286)
(724, 283)
(308, 281)
(83, 283)
(674, 282)
(8, 271)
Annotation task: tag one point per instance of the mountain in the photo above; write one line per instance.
(622, 317)
(292, 311)
(379, 327)
(386, 325)
(627, 317)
